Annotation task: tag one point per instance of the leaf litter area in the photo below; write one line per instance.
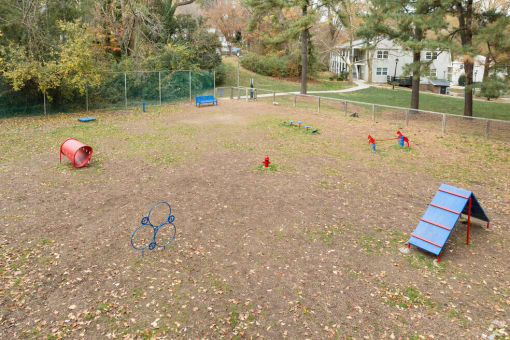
(305, 249)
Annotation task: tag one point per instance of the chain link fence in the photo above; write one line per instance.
(119, 90)
(443, 123)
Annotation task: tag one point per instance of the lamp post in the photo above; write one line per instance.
(394, 74)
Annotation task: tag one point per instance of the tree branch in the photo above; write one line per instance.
(183, 3)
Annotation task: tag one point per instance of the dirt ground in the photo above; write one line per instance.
(306, 250)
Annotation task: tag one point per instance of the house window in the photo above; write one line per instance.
(382, 71)
(432, 72)
(382, 54)
(431, 55)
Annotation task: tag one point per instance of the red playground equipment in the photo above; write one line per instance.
(77, 152)
(266, 161)
(400, 137)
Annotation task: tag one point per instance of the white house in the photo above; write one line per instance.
(389, 60)
(457, 69)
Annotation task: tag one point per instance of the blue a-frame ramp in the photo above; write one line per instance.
(442, 214)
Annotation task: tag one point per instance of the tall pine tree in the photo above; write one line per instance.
(297, 29)
(414, 25)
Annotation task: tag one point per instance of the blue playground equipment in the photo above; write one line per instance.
(146, 221)
(436, 225)
(205, 100)
(143, 106)
(86, 119)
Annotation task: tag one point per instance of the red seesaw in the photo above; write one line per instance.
(400, 137)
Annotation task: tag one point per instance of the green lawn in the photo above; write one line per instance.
(428, 102)
(275, 84)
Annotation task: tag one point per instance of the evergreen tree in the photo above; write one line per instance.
(411, 24)
(297, 29)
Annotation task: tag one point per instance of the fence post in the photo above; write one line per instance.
(373, 112)
(407, 117)
(246, 94)
(274, 97)
(443, 127)
(487, 125)
(44, 102)
(125, 90)
(159, 83)
(295, 100)
(345, 108)
(214, 82)
(319, 104)
(255, 94)
(231, 93)
(190, 97)
(87, 97)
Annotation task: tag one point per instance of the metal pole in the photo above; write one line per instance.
(231, 93)
(87, 97)
(295, 100)
(237, 72)
(159, 81)
(246, 94)
(255, 96)
(373, 112)
(407, 117)
(319, 105)
(443, 128)
(345, 108)
(214, 82)
(44, 99)
(125, 89)
(190, 97)
(487, 125)
(274, 97)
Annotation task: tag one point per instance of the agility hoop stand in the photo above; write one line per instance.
(146, 221)
(400, 137)
(441, 216)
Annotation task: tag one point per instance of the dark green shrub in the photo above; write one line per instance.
(462, 80)
(273, 66)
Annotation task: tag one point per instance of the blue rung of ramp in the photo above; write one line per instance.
(436, 225)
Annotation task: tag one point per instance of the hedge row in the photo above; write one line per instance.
(273, 66)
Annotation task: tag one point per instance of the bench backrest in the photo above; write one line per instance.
(204, 98)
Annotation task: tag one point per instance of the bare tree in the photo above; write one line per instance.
(229, 17)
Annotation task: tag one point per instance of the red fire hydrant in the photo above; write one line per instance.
(266, 161)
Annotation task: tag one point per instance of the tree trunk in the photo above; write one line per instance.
(468, 91)
(351, 61)
(486, 67)
(415, 94)
(465, 16)
(304, 55)
(369, 59)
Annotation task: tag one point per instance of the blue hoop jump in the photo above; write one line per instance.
(146, 221)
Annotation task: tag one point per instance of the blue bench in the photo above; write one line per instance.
(205, 100)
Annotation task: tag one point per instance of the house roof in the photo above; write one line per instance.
(440, 82)
(354, 43)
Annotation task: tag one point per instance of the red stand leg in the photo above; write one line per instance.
(488, 225)
(469, 221)
(438, 257)
(409, 245)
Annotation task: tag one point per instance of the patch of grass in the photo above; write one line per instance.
(326, 235)
(420, 261)
(370, 244)
(271, 167)
(274, 84)
(408, 298)
(428, 102)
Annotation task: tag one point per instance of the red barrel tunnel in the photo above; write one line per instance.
(77, 152)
